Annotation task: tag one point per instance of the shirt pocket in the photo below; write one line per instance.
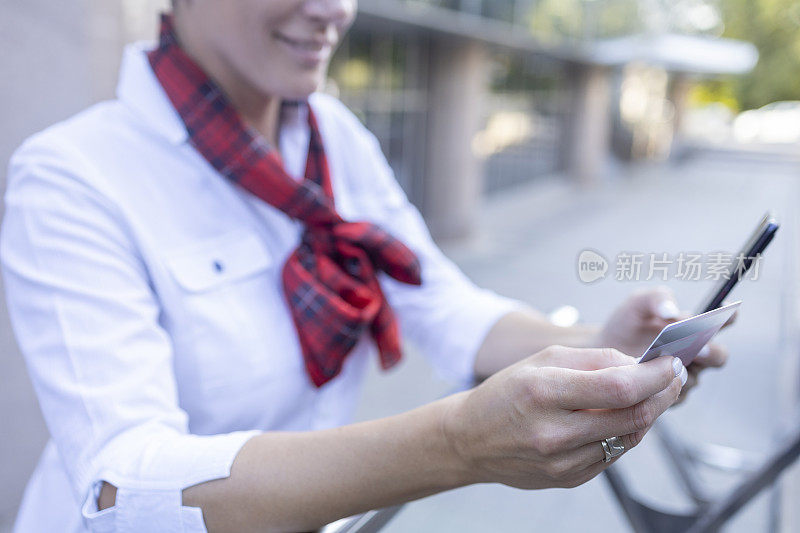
(234, 325)
(203, 267)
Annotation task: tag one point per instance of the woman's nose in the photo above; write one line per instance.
(331, 11)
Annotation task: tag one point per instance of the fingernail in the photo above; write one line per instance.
(684, 376)
(677, 366)
(668, 310)
(704, 351)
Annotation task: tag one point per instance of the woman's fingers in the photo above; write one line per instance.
(584, 456)
(691, 383)
(657, 302)
(711, 355)
(568, 465)
(587, 358)
(565, 467)
(590, 472)
(575, 467)
(595, 425)
(611, 388)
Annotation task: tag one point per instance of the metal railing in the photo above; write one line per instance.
(369, 522)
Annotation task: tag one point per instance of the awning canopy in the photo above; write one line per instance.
(674, 52)
(679, 53)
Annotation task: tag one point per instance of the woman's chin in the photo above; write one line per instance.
(303, 93)
(294, 84)
(302, 88)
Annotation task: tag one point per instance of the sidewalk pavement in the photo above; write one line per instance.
(527, 248)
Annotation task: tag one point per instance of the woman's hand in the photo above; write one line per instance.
(539, 422)
(634, 324)
(711, 356)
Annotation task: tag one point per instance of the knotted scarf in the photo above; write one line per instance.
(330, 280)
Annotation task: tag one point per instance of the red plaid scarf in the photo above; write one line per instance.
(330, 280)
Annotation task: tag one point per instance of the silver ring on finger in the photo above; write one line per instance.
(612, 447)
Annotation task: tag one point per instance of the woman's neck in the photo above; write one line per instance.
(258, 110)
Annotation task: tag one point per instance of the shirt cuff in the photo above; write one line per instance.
(150, 484)
(468, 328)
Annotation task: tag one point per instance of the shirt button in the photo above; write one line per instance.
(218, 267)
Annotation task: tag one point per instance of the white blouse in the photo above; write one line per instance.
(153, 367)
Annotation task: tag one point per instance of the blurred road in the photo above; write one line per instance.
(530, 238)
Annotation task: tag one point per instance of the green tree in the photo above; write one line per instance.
(773, 26)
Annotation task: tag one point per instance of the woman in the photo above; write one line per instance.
(198, 272)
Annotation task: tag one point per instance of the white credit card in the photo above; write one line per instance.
(684, 339)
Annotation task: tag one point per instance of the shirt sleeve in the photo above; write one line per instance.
(87, 322)
(448, 317)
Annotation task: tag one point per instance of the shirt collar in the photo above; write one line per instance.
(139, 89)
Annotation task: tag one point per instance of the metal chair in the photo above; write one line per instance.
(369, 522)
(709, 515)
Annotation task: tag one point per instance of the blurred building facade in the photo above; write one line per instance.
(471, 96)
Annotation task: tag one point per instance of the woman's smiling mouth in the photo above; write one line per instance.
(309, 52)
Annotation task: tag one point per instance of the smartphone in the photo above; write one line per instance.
(751, 250)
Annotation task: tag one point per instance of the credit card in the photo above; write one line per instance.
(684, 339)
